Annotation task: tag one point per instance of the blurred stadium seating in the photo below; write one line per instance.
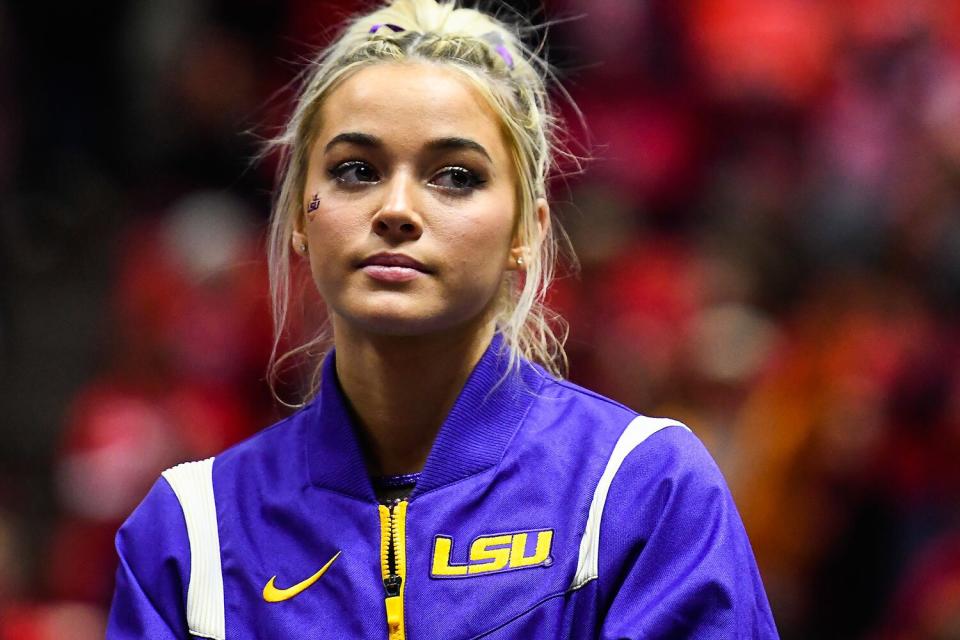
(769, 233)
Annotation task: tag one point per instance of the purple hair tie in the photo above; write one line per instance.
(502, 50)
(496, 40)
(392, 27)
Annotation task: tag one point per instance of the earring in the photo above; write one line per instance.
(303, 247)
(519, 261)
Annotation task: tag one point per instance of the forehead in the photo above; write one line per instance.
(407, 103)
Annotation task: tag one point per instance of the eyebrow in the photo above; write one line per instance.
(354, 137)
(439, 144)
(454, 143)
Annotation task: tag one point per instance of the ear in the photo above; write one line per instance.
(521, 254)
(299, 241)
(299, 237)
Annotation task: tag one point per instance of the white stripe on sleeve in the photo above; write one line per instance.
(192, 482)
(639, 429)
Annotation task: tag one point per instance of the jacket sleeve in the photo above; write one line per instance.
(149, 600)
(674, 559)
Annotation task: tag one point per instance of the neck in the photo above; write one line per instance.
(401, 388)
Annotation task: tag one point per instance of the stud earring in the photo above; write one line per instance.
(519, 261)
(303, 247)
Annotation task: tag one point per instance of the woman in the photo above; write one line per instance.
(441, 482)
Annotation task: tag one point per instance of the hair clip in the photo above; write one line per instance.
(496, 40)
(392, 27)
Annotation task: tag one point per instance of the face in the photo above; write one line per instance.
(409, 203)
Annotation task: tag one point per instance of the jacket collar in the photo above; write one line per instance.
(473, 437)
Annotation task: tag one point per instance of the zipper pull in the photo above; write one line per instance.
(392, 585)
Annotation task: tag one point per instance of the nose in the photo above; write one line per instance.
(397, 219)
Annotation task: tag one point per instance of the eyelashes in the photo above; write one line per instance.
(354, 172)
(458, 178)
(453, 179)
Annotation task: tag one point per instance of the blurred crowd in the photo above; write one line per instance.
(768, 231)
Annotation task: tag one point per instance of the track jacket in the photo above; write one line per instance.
(543, 511)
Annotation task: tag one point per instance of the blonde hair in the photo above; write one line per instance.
(511, 77)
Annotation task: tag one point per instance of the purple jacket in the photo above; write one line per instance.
(543, 511)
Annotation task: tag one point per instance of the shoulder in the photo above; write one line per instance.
(659, 471)
(269, 445)
(274, 456)
(665, 479)
(611, 444)
(191, 483)
(566, 412)
(651, 445)
(155, 530)
(566, 390)
(653, 453)
(669, 521)
(632, 470)
(169, 547)
(154, 570)
(568, 416)
(664, 522)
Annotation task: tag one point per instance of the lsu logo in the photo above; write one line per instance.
(493, 554)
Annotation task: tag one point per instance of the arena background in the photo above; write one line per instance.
(770, 244)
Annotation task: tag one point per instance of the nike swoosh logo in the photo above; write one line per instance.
(272, 594)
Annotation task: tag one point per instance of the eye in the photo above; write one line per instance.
(457, 179)
(354, 172)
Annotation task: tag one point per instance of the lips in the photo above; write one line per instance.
(393, 260)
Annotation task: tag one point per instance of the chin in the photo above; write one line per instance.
(396, 326)
(389, 320)
(386, 319)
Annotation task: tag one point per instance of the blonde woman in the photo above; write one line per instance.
(441, 480)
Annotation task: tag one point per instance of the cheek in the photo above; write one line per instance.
(491, 225)
(480, 240)
(329, 233)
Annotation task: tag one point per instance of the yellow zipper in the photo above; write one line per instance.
(393, 564)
